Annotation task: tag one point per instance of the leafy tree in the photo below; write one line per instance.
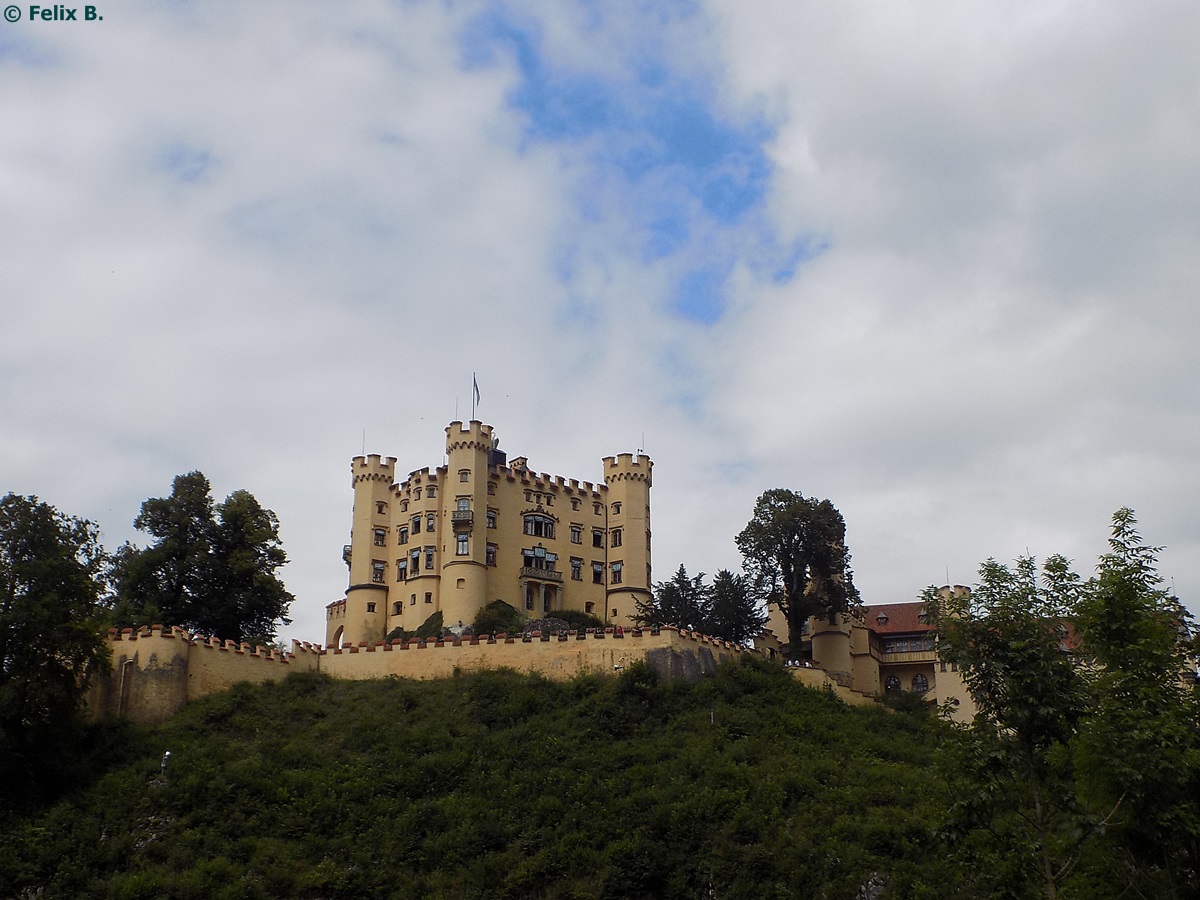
(733, 614)
(51, 583)
(682, 601)
(1016, 817)
(497, 617)
(212, 568)
(1138, 752)
(794, 551)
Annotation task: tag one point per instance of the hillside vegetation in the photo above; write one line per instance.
(500, 785)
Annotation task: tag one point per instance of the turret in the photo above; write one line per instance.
(628, 477)
(463, 588)
(370, 551)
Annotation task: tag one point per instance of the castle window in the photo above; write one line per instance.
(574, 503)
(417, 494)
(491, 518)
(403, 506)
(401, 570)
(920, 684)
(380, 537)
(428, 597)
(428, 557)
(576, 534)
(891, 684)
(380, 507)
(616, 573)
(882, 619)
(616, 537)
(462, 545)
(597, 573)
(396, 608)
(464, 504)
(429, 523)
(529, 496)
(370, 607)
(377, 569)
(464, 475)
(597, 538)
(538, 558)
(576, 569)
(490, 555)
(539, 526)
(549, 499)
(431, 492)
(461, 584)
(412, 600)
(402, 535)
(598, 508)
(416, 524)
(616, 509)
(491, 487)
(528, 600)
(415, 560)
(589, 607)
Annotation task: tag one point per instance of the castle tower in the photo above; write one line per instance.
(369, 556)
(464, 505)
(831, 647)
(628, 478)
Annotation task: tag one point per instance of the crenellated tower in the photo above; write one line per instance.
(628, 477)
(365, 610)
(463, 588)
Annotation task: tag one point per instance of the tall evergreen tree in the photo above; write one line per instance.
(733, 614)
(682, 601)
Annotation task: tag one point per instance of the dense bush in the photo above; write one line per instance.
(502, 785)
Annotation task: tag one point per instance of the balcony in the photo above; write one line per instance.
(911, 656)
(462, 517)
(543, 574)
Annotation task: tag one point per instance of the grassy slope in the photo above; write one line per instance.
(501, 785)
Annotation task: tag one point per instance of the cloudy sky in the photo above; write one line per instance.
(937, 262)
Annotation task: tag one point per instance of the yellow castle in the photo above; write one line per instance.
(480, 528)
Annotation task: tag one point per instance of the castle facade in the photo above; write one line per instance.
(480, 528)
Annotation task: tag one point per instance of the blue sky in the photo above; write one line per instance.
(935, 265)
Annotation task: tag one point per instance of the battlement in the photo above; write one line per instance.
(145, 635)
(628, 467)
(373, 468)
(474, 435)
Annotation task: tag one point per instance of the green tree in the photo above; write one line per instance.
(733, 614)
(51, 585)
(1138, 751)
(682, 601)
(794, 552)
(211, 569)
(1015, 819)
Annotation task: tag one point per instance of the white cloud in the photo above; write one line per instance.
(238, 235)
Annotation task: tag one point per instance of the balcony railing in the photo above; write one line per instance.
(909, 656)
(544, 574)
(462, 517)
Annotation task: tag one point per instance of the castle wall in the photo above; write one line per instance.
(156, 671)
(548, 655)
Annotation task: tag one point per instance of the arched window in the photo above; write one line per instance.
(539, 526)
(920, 684)
(891, 684)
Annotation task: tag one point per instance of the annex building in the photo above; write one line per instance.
(480, 528)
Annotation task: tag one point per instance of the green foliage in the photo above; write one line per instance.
(211, 569)
(503, 785)
(51, 584)
(497, 617)
(682, 601)
(431, 627)
(794, 552)
(1080, 775)
(724, 609)
(734, 614)
(578, 619)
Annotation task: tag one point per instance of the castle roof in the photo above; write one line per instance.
(897, 618)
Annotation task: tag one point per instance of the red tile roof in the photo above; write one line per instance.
(898, 618)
